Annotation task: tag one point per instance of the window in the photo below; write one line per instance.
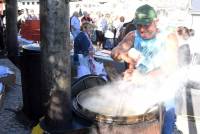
(195, 6)
(33, 3)
(23, 3)
(38, 3)
(28, 3)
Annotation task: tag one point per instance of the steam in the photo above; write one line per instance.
(135, 96)
(125, 98)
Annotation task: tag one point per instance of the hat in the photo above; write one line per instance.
(145, 15)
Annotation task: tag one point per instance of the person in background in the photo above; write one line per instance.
(101, 28)
(82, 43)
(109, 36)
(1, 34)
(32, 15)
(86, 18)
(84, 53)
(20, 19)
(126, 28)
(80, 13)
(4, 18)
(26, 13)
(118, 24)
(194, 46)
(150, 53)
(184, 34)
(75, 24)
(184, 54)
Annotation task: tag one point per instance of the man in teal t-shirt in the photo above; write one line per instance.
(156, 54)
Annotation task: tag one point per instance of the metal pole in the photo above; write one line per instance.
(56, 66)
(11, 28)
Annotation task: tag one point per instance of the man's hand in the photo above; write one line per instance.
(134, 54)
(115, 53)
(128, 74)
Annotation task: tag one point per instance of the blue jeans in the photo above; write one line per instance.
(169, 118)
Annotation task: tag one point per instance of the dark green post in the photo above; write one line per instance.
(11, 29)
(55, 62)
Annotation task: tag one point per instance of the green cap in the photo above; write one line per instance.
(145, 15)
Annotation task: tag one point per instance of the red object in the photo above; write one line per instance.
(31, 30)
(1, 7)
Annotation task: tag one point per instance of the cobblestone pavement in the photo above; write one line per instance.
(12, 121)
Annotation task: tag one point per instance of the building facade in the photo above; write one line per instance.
(29, 4)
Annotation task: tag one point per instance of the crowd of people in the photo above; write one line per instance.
(106, 31)
(87, 32)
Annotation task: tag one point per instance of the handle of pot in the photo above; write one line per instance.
(149, 109)
(161, 113)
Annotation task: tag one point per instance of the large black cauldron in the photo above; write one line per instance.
(106, 115)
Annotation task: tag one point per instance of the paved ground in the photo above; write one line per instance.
(11, 120)
(14, 122)
(188, 119)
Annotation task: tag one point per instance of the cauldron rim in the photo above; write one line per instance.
(109, 119)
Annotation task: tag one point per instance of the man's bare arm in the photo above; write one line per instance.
(123, 47)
